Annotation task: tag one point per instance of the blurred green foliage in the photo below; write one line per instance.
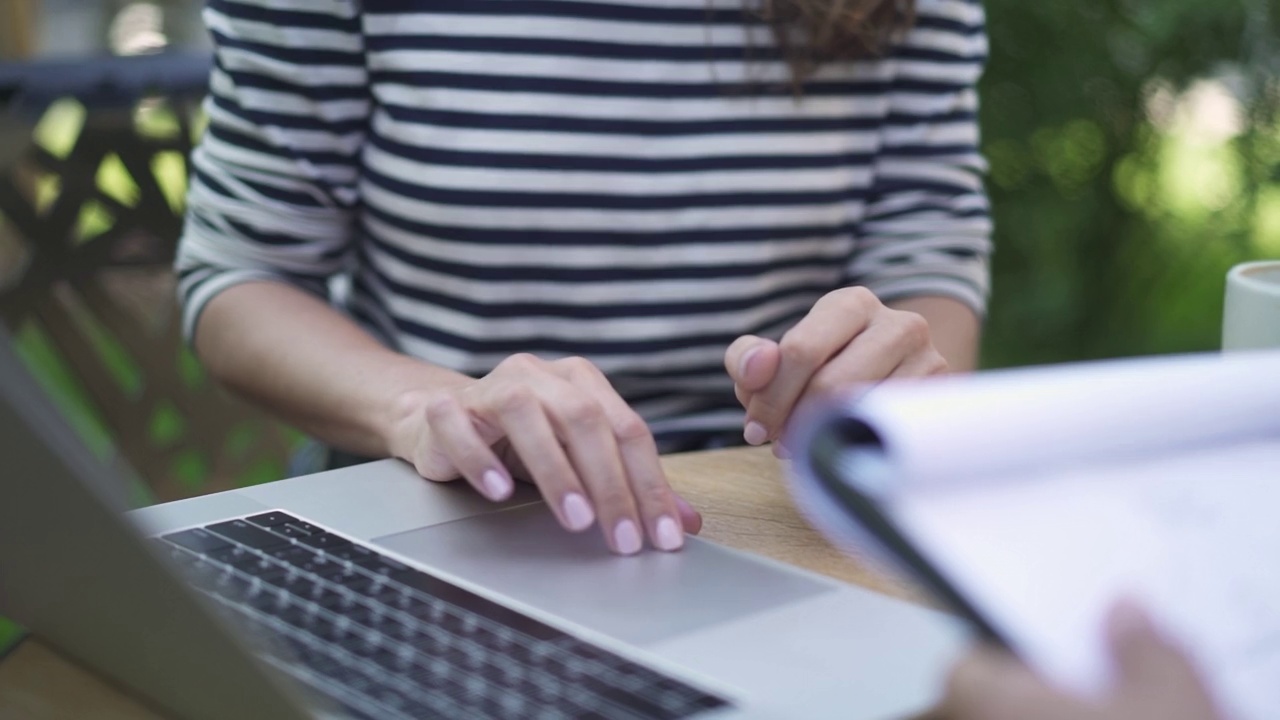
(9, 634)
(1125, 177)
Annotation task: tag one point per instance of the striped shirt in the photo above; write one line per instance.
(632, 181)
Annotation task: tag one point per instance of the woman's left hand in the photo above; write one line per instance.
(848, 338)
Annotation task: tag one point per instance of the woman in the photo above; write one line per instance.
(564, 220)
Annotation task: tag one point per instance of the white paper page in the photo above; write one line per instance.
(979, 427)
(1193, 537)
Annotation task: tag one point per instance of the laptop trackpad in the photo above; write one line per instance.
(524, 554)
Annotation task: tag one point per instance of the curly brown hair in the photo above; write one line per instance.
(812, 33)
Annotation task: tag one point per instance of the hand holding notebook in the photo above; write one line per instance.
(1154, 681)
(1032, 500)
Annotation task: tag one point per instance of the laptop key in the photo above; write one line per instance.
(198, 540)
(237, 557)
(293, 554)
(401, 631)
(386, 594)
(325, 629)
(265, 570)
(331, 599)
(262, 601)
(202, 577)
(382, 566)
(231, 587)
(278, 579)
(353, 553)
(300, 586)
(291, 531)
(248, 535)
(359, 584)
(306, 527)
(362, 614)
(474, 603)
(334, 572)
(182, 558)
(272, 519)
(294, 615)
(386, 659)
(317, 565)
(633, 702)
(324, 541)
(324, 664)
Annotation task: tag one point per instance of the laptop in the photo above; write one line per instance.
(370, 593)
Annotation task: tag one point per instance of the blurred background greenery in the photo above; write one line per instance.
(1134, 149)
(1135, 157)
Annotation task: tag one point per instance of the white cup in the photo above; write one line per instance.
(1251, 317)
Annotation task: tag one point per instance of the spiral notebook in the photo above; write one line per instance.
(1030, 500)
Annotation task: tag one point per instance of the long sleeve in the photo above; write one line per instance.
(927, 228)
(273, 187)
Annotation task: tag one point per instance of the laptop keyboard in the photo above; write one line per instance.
(384, 640)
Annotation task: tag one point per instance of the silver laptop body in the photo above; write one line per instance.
(760, 638)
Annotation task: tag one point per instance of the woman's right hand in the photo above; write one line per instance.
(560, 425)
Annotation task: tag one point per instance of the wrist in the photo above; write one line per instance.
(954, 328)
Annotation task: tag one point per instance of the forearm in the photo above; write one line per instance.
(955, 329)
(290, 352)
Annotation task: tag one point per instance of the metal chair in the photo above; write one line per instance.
(90, 222)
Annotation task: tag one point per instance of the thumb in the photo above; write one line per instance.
(1143, 657)
(752, 362)
(1156, 679)
(992, 685)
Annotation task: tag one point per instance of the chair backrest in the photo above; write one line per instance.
(90, 215)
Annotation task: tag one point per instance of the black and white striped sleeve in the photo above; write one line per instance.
(927, 225)
(273, 186)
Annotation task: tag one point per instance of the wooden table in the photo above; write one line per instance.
(744, 504)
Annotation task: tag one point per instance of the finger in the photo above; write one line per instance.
(896, 344)
(460, 442)
(1145, 659)
(582, 425)
(835, 320)
(752, 362)
(1142, 655)
(990, 684)
(1156, 678)
(926, 365)
(870, 356)
(648, 484)
(517, 410)
(922, 364)
(690, 518)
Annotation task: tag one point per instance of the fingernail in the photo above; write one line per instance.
(755, 434)
(626, 538)
(578, 512)
(496, 485)
(744, 365)
(668, 534)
